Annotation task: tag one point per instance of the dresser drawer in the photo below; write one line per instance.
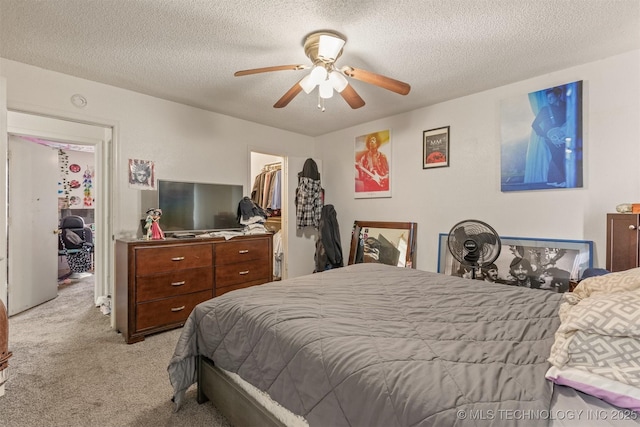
(154, 260)
(227, 275)
(242, 250)
(168, 311)
(173, 283)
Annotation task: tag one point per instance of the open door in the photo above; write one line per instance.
(3, 188)
(33, 125)
(32, 235)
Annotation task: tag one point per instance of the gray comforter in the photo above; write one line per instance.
(374, 345)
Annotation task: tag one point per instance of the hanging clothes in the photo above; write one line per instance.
(309, 196)
(328, 248)
(266, 187)
(277, 255)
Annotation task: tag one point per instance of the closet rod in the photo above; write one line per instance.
(272, 166)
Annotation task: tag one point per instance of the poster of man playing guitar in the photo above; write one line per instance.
(372, 165)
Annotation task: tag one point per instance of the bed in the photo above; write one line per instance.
(372, 344)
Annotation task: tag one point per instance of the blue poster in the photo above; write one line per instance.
(541, 139)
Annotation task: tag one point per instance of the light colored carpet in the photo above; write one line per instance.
(69, 368)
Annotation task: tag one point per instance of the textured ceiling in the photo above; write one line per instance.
(187, 50)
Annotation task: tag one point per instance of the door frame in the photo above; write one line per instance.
(105, 171)
(284, 273)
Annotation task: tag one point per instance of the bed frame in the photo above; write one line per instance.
(238, 406)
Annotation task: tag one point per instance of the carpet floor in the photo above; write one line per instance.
(69, 368)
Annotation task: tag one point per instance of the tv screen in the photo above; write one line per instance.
(195, 206)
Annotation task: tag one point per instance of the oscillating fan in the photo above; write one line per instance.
(474, 244)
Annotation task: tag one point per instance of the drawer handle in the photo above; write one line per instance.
(178, 258)
(243, 251)
(632, 227)
(242, 273)
(178, 283)
(178, 308)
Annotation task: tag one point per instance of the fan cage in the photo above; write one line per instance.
(475, 230)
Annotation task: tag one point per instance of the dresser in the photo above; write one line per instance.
(623, 249)
(5, 354)
(159, 282)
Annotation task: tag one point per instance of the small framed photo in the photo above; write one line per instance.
(435, 148)
(547, 264)
(142, 174)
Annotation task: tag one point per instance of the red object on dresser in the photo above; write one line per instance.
(4, 338)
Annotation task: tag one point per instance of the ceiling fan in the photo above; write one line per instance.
(323, 49)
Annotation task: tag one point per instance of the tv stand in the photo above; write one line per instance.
(159, 282)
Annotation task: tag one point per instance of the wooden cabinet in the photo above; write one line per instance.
(5, 354)
(242, 263)
(159, 282)
(623, 250)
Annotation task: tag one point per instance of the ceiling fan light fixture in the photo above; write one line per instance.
(317, 75)
(330, 47)
(326, 89)
(306, 84)
(338, 81)
(323, 48)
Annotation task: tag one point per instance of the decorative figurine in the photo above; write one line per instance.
(153, 226)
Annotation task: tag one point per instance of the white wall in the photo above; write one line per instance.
(76, 196)
(191, 144)
(185, 143)
(470, 187)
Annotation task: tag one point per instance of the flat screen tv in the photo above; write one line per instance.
(197, 206)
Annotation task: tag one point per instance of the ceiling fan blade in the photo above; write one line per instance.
(287, 97)
(350, 95)
(294, 67)
(376, 79)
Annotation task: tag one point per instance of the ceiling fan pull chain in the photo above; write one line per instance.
(320, 102)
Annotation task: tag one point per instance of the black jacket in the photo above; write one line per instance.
(328, 248)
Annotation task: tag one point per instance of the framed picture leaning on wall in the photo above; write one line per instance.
(547, 264)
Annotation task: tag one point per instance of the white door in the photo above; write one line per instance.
(33, 222)
(3, 187)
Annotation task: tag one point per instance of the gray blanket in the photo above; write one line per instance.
(375, 345)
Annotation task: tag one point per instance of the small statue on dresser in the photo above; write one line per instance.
(153, 224)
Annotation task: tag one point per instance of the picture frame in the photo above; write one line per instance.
(570, 258)
(435, 147)
(142, 174)
(541, 135)
(382, 242)
(372, 160)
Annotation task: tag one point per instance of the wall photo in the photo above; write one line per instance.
(545, 264)
(435, 148)
(541, 139)
(373, 165)
(142, 174)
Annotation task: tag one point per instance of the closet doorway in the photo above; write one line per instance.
(266, 189)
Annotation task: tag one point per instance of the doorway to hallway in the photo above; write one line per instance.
(25, 125)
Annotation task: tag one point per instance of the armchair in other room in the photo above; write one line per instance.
(76, 243)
